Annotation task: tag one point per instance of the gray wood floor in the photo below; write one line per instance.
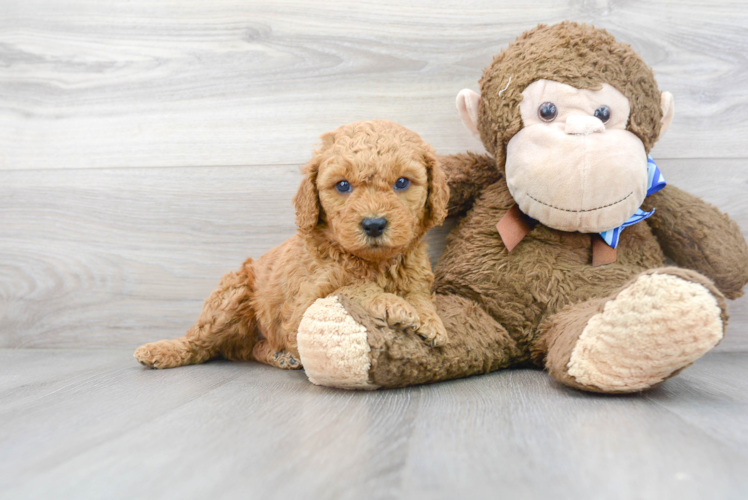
(146, 148)
(92, 424)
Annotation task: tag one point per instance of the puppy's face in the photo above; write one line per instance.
(374, 204)
(378, 188)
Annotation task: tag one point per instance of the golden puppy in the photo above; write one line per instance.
(368, 196)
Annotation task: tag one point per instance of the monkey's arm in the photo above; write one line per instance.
(696, 235)
(467, 175)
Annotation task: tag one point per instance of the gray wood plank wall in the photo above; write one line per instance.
(148, 147)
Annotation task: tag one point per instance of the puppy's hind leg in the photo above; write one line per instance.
(226, 327)
(265, 353)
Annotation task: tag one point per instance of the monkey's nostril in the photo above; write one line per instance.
(374, 226)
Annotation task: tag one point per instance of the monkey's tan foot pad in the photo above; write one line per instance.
(655, 327)
(334, 346)
(163, 354)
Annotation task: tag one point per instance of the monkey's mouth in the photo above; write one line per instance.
(581, 210)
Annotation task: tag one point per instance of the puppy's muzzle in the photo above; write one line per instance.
(374, 227)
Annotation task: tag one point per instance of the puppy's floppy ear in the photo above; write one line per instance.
(306, 200)
(436, 205)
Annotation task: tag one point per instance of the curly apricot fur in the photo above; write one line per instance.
(254, 313)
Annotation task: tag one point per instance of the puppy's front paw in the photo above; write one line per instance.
(433, 332)
(396, 312)
(162, 354)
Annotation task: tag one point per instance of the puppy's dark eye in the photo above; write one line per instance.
(402, 184)
(547, 112)
(603, 113)
(343, 187)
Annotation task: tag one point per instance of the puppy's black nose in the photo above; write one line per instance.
(374, 227)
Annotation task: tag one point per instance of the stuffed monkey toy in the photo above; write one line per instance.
(558, 259)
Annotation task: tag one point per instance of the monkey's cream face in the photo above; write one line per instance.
(574, 166)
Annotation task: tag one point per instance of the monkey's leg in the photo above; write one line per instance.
(226, 327)
(341, 345)
(649, 330)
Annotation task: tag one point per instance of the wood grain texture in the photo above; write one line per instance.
(118, 257)
(94, 424)
(229, 82)
(223, 100)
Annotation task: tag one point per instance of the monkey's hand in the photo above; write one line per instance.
(467, 175)
(696, 235)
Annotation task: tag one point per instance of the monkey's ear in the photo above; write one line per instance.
(468, 104)
(668, 110)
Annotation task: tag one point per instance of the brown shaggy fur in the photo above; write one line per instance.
(500, 306)
(255, 312)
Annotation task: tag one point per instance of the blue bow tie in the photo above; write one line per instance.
(655, 182)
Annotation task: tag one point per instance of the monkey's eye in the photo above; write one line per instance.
(547, 112)
(603, 113)
(343, 187)
(402, 184)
